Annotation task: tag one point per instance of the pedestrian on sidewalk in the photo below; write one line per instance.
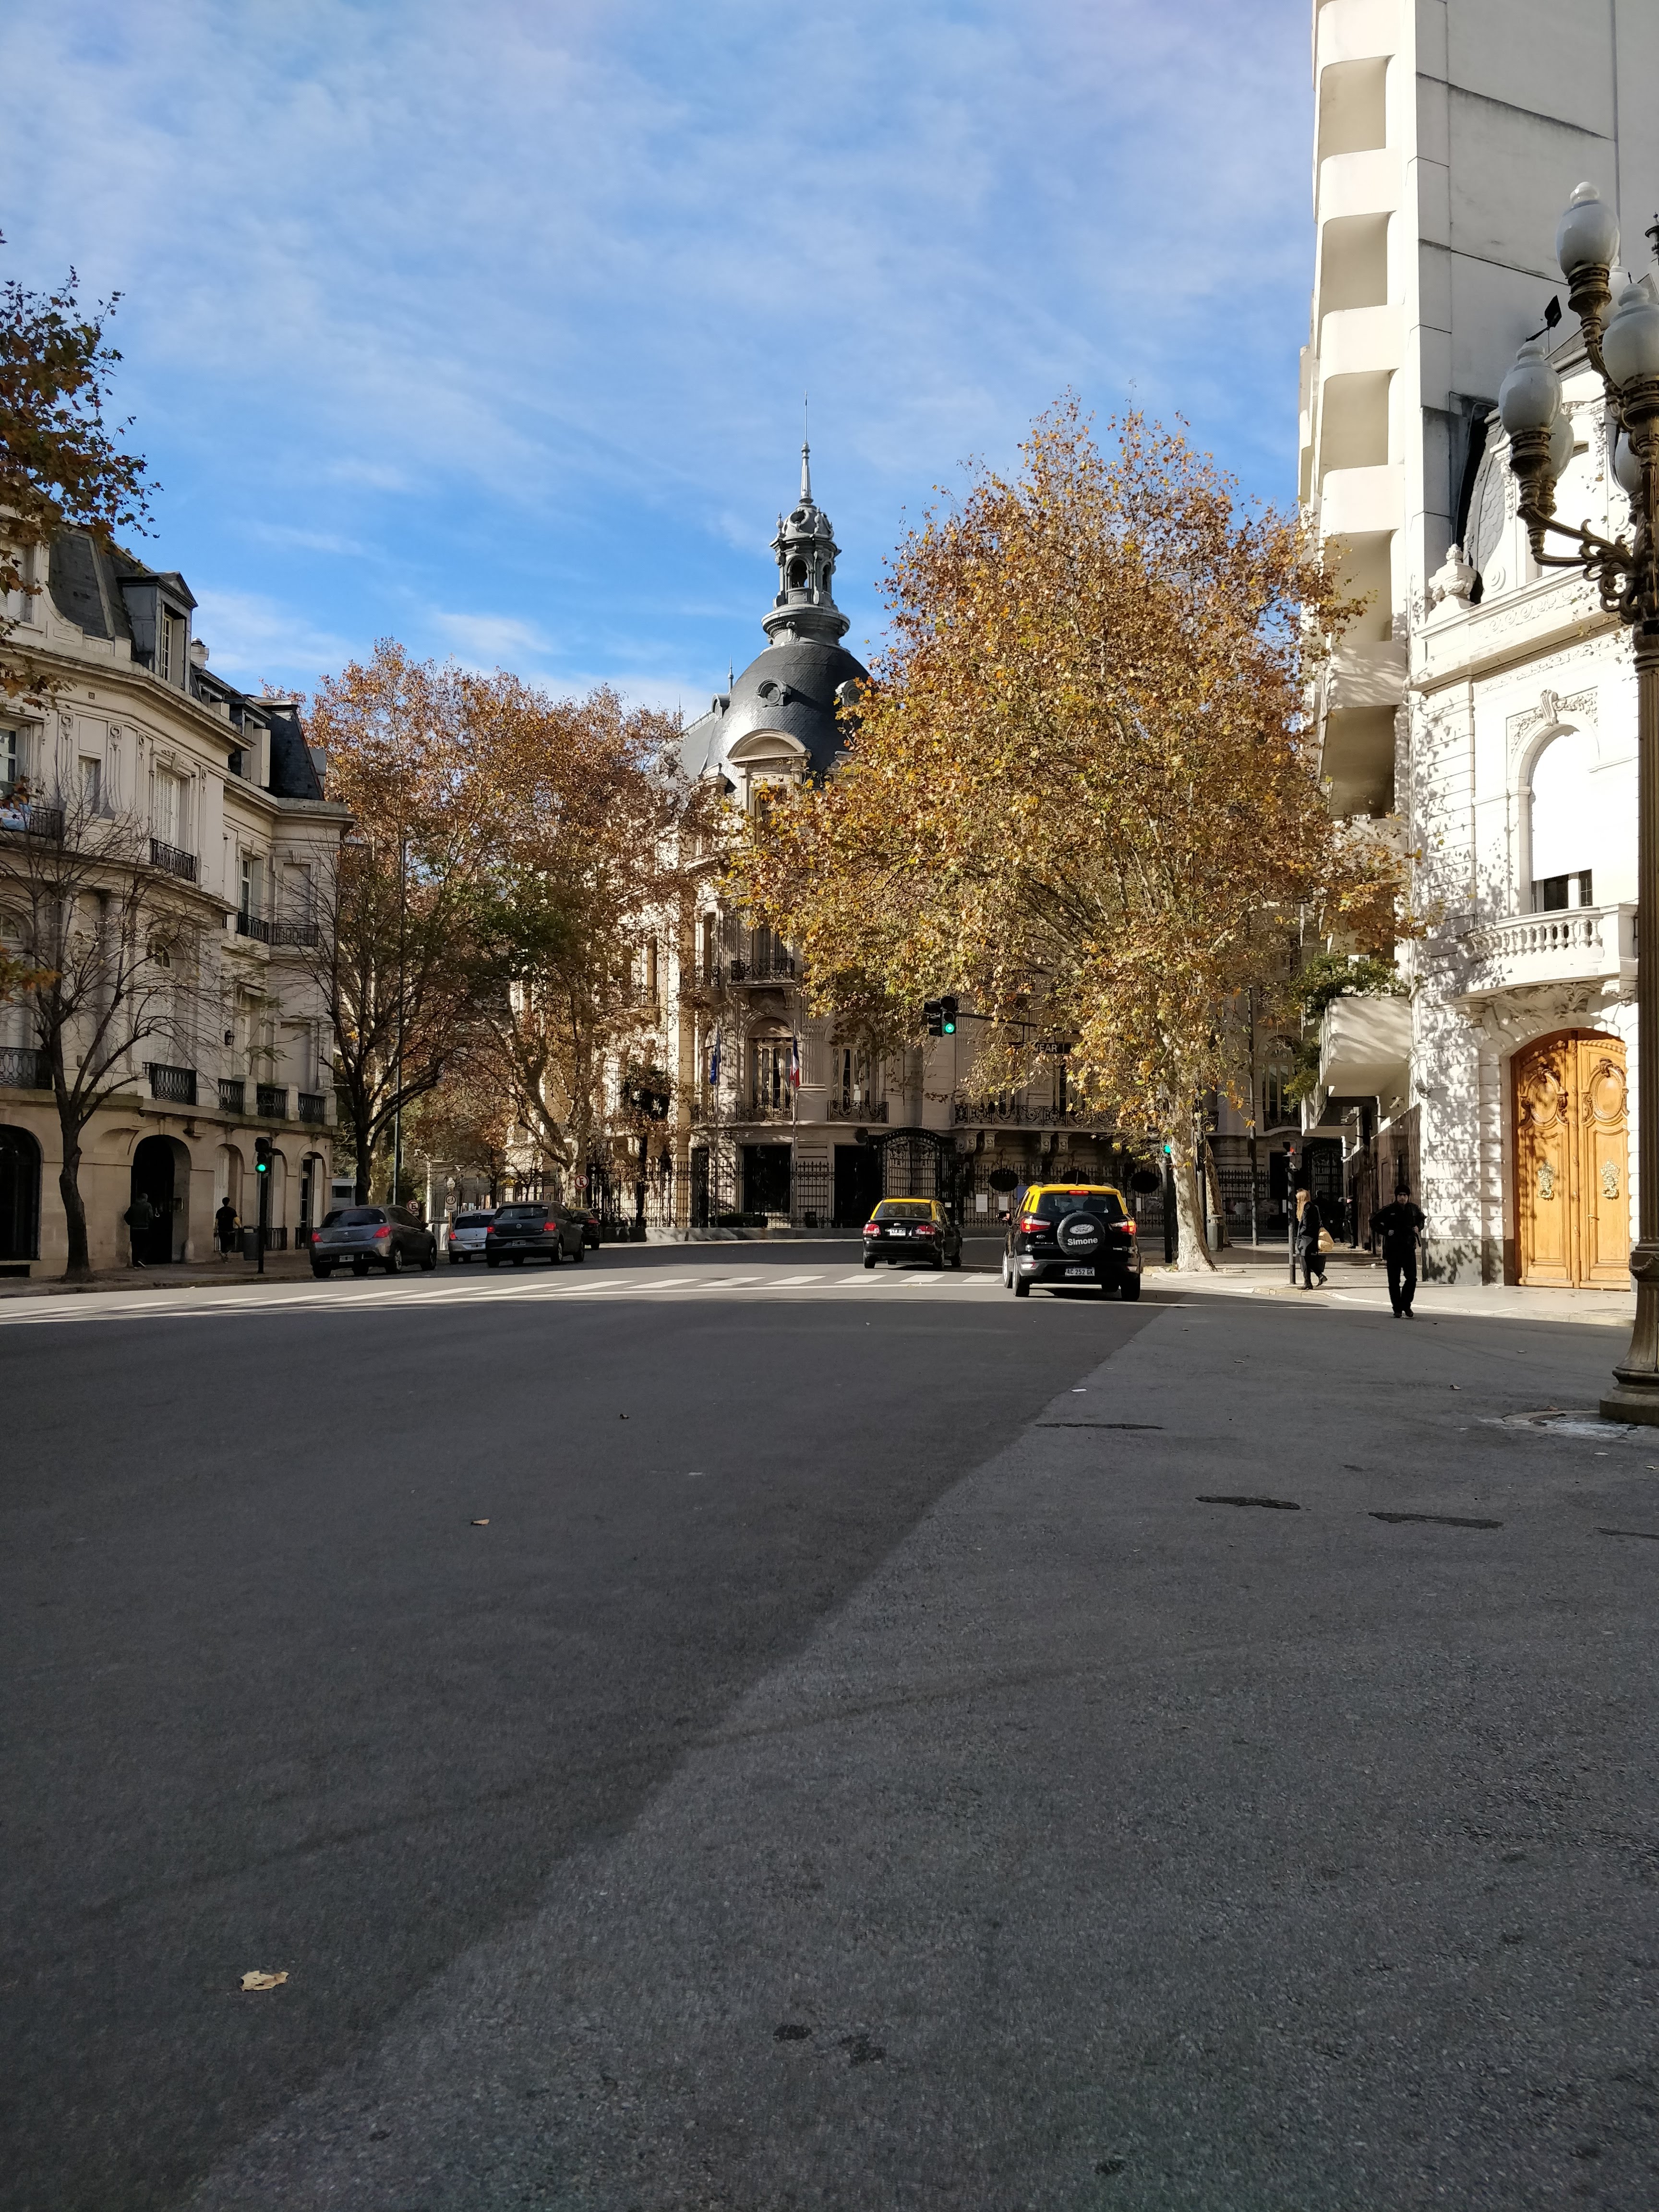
(140, 1217)
(1397, 1228)
(1309, 1223)
(228, 1229)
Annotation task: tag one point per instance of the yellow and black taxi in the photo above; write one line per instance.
(912, 1229)
(1072, 1237)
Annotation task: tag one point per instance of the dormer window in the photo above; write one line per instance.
(171, 645)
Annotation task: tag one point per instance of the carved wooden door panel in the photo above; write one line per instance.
(1571, 1161)
(1604, 1161)
(1545, 1161)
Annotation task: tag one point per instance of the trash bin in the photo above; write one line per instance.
(251, 1246)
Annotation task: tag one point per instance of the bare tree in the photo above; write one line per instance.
(112, 960)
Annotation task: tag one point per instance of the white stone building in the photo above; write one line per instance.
(220, 805)
(1487, 706)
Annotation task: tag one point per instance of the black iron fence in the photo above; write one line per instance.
(169, 857)
(272, 1101)
(233, 1091)
(177, 1086)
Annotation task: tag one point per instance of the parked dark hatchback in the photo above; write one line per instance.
(590, 1222)
(367, 1236)
(1072, 1237)
(518, 1233)
(912, 1229)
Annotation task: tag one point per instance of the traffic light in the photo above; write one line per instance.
(947, 1016)
(934, 1014)
(262, 1156)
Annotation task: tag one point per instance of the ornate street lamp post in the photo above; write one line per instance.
(1624, 351)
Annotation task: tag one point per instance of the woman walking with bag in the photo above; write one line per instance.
(1310, 1223)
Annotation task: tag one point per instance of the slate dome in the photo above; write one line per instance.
(795, 686)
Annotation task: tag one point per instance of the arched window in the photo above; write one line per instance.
(797, 575)
(1564, 830)
(1275, 1108)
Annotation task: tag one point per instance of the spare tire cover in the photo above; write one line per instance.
(1080, 1235)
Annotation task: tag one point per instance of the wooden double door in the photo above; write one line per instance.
(1571, 1160)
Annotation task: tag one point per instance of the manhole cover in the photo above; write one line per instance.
(1566, 1421)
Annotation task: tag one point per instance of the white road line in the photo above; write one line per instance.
(631, 1284)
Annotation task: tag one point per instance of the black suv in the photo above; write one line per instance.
(1072, 1237)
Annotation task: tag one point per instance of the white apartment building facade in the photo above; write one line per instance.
(1487, 707)
(212, 796)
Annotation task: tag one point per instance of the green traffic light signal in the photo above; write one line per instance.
(948, 1017)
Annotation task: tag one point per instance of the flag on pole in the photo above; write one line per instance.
(794, 1061)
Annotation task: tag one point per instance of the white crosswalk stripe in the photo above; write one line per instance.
(232, 1303)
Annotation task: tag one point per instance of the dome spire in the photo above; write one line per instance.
(807, 552)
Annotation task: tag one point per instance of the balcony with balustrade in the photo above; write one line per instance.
(23, 1067)
(1593, 944)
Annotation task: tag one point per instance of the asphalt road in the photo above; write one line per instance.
(874, 1774)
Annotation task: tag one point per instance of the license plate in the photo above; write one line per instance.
(1080, 1271)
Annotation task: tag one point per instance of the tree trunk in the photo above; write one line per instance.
(78, 1265)
(1194, 1249)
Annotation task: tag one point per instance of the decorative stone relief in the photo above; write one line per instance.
(1545, 1179)
(1452, 581)
(1609, 1179)
(1552, 712)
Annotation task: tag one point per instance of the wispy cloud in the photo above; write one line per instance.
(253, 639)
(535, 307)
(496, 641)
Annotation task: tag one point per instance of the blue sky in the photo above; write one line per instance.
(487, 327)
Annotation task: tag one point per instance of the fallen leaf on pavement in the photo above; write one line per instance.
(263, 1981)
(481, 1524)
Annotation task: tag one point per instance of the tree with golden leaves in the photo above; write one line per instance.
(393, 952)
(60, 463)
(592, 819)
(1081, 795)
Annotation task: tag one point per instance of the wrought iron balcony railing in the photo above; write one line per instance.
(175, 1084)
(311, 1106)
(842, 1109)
(23, 1067)
(25, 819)
(272, 1101)
(254, 925)
(291, 932)
(233, 1094)
(170, 858)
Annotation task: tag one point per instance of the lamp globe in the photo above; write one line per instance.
(1529, 398)
(1587, 236)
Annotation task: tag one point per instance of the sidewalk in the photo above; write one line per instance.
(280, 1267)
(1356, 1278)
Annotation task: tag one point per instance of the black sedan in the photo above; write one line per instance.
(518, 1233)
(1072, 1237)
(365, 1236)
(912, 1229)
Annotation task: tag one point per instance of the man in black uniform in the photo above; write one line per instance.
(1397, 1228)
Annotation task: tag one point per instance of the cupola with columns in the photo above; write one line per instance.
(806, 551)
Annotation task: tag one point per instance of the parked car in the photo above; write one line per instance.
(467, 1232)
(367, 1236)
(518, 1233)
(1072, 1237)
(912, 1229)
(590, 1222)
